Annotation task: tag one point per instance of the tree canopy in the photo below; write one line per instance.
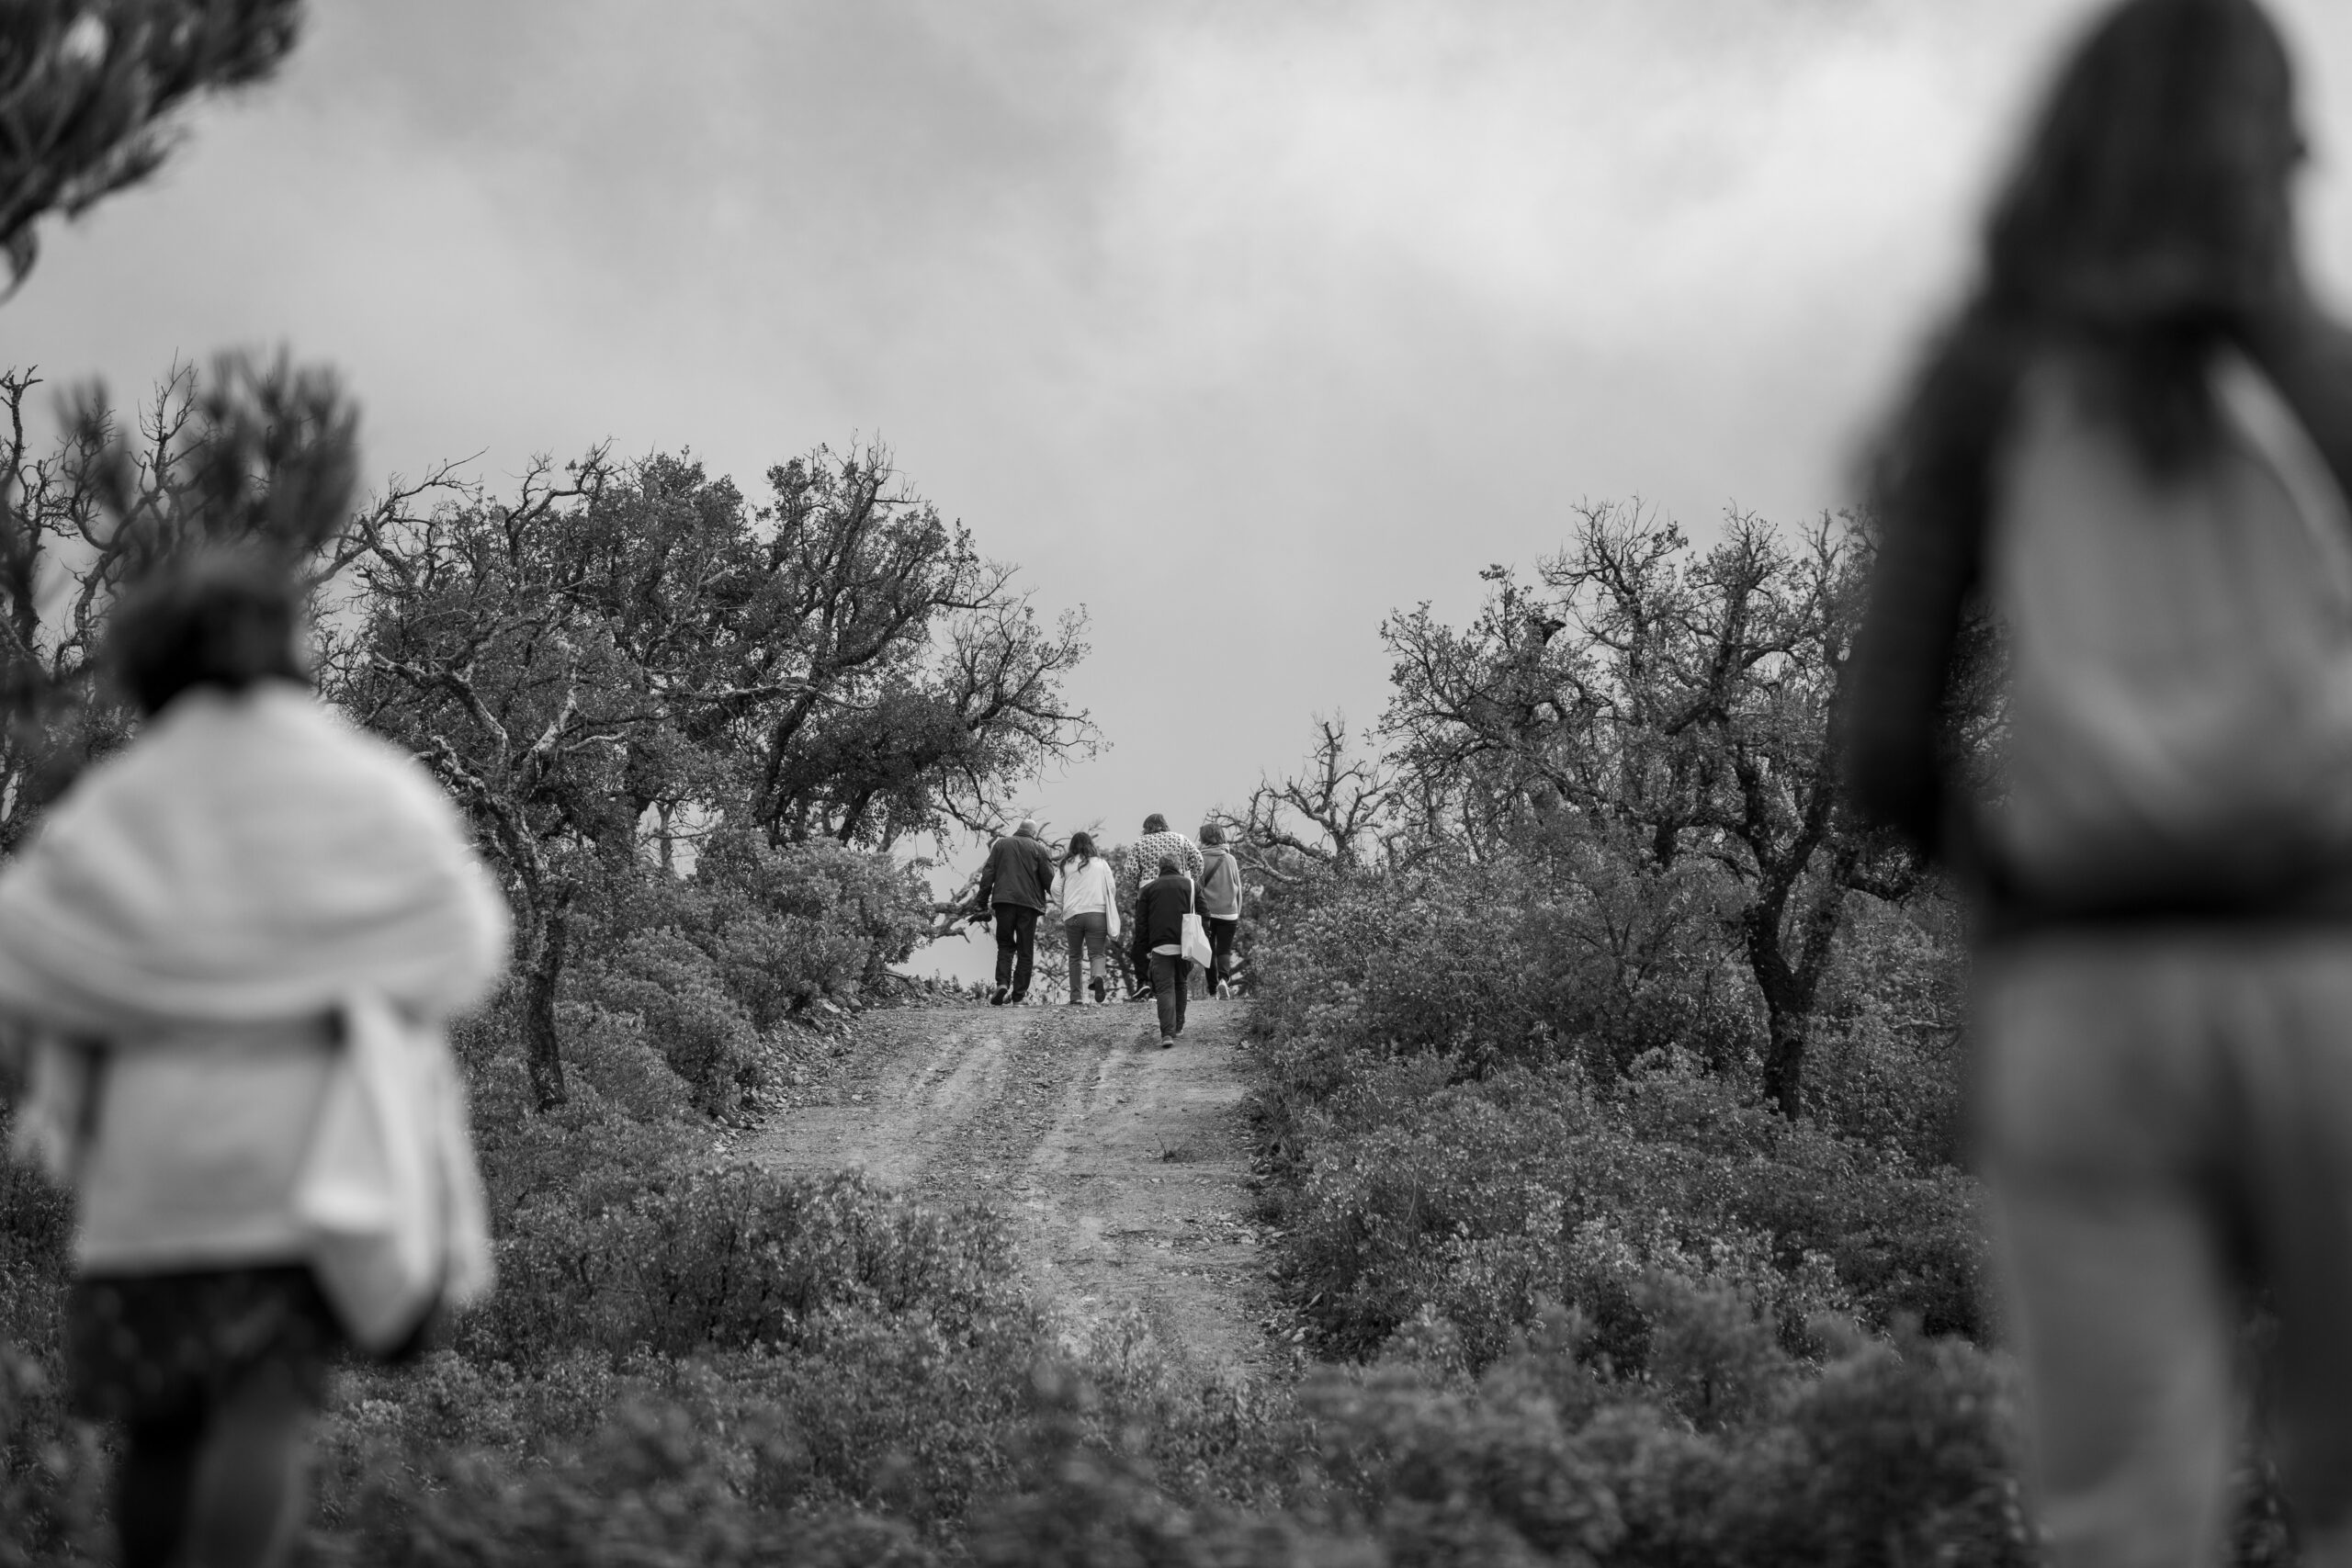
(625, 653)
(1660, 719)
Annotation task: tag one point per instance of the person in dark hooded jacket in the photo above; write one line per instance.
(1158, 948)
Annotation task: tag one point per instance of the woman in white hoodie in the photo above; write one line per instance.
(192, 937)
(1089, 901)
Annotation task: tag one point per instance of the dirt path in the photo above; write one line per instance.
(1122, 1165)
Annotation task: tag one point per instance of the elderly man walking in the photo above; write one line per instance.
(1014, 885)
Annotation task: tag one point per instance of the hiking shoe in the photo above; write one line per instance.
(996, 998)
(1096, 987)
(1167, 1043)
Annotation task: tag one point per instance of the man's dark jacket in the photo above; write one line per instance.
(1020, 871)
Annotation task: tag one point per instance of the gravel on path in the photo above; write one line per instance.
(1123, 1165)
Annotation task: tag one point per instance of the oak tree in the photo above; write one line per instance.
(1670, 711)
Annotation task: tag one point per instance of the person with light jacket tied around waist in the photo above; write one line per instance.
(2129, 452)
(1220, 904)
(190, 938)
(1088, 898)
(1015, 889)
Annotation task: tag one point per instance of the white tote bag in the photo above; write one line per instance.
(388, 1191)
(1195, 940)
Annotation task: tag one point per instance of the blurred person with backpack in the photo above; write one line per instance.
(1161, 944)
(1220, 904)
(1015, 889)
(2130, 453)
(232, 943)
(1088, 898)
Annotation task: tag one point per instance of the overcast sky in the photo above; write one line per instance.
(1240, 324)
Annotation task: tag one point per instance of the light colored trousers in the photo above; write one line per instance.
(1088, 935)
(2168, 1128)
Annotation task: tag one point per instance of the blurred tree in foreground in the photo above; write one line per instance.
(89, 91)
(265, 454)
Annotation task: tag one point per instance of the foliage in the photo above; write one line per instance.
(49, 1464)
(1480, 1201)
(735, 1259)
(89, 89)
(630, 658)
(1668, 709)
(264, 455)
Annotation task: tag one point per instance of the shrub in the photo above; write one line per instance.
(676, 994)
(691, 1260)
(50, 1507)
(1483, 1199)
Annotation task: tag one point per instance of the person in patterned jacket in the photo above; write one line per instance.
(1143, 863)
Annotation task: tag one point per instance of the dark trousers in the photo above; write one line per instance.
(1016, 947)
(1221, 935)
(1171, 982)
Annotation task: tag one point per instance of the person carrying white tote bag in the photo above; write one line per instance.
(232, 943)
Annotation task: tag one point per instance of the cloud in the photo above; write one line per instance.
(1243, 324)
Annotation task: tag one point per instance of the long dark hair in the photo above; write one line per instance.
(1081, 849)
(2146, 222)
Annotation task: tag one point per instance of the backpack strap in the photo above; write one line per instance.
(2255, 407)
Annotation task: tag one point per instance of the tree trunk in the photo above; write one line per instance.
(1785, 1033)
(1788, 999)
(543, 1050)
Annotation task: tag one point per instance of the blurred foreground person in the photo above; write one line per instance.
(1014, 886)
(1089, 899)
(232, 943)
(2131, 451)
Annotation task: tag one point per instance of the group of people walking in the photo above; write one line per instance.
(1171, 881)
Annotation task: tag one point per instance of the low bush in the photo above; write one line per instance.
(1481, 1200)
(693, 1260)
(50, 1489)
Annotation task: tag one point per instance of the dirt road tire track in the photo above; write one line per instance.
(1123, 1165)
